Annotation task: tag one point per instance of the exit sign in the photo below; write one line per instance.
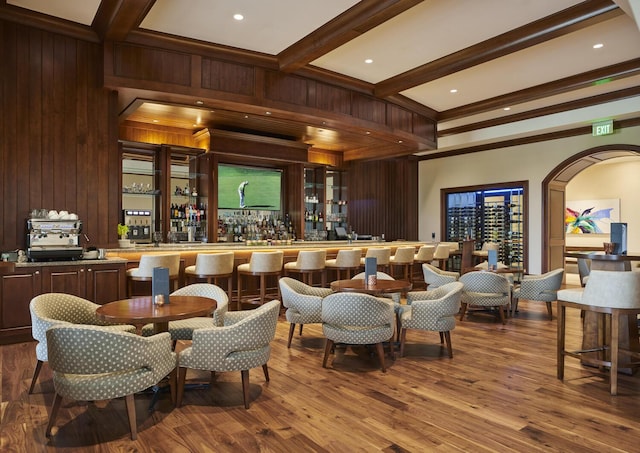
(602, 128)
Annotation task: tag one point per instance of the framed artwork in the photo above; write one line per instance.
(591, 216)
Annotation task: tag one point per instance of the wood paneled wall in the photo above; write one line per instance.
(58, 134)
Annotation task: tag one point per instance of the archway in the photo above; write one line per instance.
(553, 197)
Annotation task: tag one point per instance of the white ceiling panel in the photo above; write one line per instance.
(81, 11)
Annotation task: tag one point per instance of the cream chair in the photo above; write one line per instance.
(543, 288)
(243, 343)
(308, 263)
(91, 364)
(144, 271)
(403, 258)
(347, 260)
(424, 255)
(261, 264)
(435, 277)
(54, 309)
(303, 303)
(213, 267)
(183, 329)
(441, 255)
(485, 289)
(433, 310)
(381, 254)
(607, 294)
(357, 319)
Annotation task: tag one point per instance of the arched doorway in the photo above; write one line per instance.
(553, 197)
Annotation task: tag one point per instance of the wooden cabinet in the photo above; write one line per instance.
(99, 283)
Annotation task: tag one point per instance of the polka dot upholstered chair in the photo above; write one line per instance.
(52, 309)
(433, 310)
(357, 319)
(183, 328)
(435, 277)
(543, 288)
(91, 364)
(485, 289)
(303, 303)
(243, 343)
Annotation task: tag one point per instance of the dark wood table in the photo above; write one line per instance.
(602, 261)
(381, 287)
(140, 311)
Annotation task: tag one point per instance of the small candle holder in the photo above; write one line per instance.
(158, 300)
(372, 280)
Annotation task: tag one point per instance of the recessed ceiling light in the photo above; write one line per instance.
(246, 116)
(506, 108)
(195, 125)
(453, 90)
(368, 61)
(598, 46)
(199, 102)
(155, 121)
(238, 16)
(267, 113)
(367, 132)
(399, 141)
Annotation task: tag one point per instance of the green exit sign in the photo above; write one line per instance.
(602, 128)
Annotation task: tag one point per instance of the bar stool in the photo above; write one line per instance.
(346, 260)
(307, 263)
(213, 266)
(144, 271)
(403, 258)
(441, 255)
(424, 256)
(382, 256)
(261, 264)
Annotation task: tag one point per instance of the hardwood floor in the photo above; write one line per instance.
(498, 393)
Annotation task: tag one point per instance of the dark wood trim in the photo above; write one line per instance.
(357, 20)
(585, 80)
(115, 19)
(577, 17)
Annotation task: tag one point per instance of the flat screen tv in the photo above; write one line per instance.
(241, 187)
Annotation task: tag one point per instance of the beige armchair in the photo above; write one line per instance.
(435, 277)
(543, 288)
(243, 343)
(54, 309)
(85, 370)
(485, 289)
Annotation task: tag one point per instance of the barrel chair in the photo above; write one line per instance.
(382, 256)
(212, 267)
(308, 263)
(543, 288)
(435, 277)
(403, 258)
(148, 262)
(485, 289)
(347, 260)
(54, 309)
(261, 265)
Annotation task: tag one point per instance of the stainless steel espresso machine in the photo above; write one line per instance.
(53, 240)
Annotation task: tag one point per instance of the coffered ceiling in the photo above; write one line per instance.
(492, 71)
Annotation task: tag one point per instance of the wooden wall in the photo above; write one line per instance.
(58, 134)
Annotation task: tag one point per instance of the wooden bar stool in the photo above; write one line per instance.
(382, 256)
(441, 255)
(307, 263)
(144, 271)
(424, 256)
(347, 260)
(261, 264)
(213, 266)
(403, 258)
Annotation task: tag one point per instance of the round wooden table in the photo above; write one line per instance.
(139, 311)
(381, 287)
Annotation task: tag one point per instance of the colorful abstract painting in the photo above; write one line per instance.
(591, 216)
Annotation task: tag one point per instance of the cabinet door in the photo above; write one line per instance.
(106, 283)
(64, 279)
(17, 290)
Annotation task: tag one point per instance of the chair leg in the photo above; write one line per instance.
(300, 332)
(131, 413)
(403, 337)
(54, 413)
(560, 342)
(173, 383)
(550, 311)
(501, 310)
(239, 292)
(463, 310)
(182, 375)
(380, 350)
(292, 328)
(447, 336)
(245, 387)
(441, 337)
(36, 373)
(263, 290)
(327, 350)
(265, 370)
(614, 341)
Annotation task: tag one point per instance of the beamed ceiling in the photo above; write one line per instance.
(522, 70)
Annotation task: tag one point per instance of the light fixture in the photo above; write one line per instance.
(267, 113)
(200, 102)
(238, 16)
(598, 46)
(506, 109)
(399, 141)
(246, 117)
(156, 121)
(453, 90)
(368, 133)
(368, 61)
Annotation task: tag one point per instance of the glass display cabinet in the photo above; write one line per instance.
(336, 196)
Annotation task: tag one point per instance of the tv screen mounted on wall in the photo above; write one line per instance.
(241, 187)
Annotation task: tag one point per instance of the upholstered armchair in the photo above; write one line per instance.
(303, 303)
(241, 344)
(433, 310)
(357, 319)
(53, 309)
(435, 277)
(183, 328)
(485, 289)
(92, 364)
(543, 288)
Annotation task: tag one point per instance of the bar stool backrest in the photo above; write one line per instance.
(404, 255)
(149, 262)
(425, 253)
(612, 289)
(311, 259)
(442, 251)
(266, 261)
(214, 263)
(381, 254)
(348, 257)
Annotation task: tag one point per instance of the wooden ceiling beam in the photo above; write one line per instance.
(357, 20)
(580, 16)
(115, 19)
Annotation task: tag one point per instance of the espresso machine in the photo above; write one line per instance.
(53, 239)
